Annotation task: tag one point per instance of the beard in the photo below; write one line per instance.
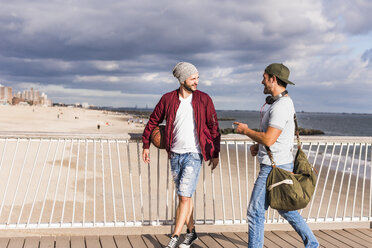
(188, 88)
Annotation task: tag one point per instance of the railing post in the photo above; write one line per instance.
(76, 179)
(8, 181)
(67, 183)
(348, 186)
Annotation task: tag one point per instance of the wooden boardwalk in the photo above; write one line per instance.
(327, 238)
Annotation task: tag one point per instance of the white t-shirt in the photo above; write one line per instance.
(279, 116)
(185, 138)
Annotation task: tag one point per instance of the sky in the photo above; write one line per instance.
(121, 53)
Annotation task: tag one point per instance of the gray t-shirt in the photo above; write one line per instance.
(279, 116)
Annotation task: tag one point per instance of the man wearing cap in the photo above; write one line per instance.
(277, 132)
(191, 135)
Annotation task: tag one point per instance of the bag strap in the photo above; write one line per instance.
(297, 132)
(298, 142)
(270, 156)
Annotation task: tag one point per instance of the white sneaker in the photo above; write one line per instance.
(173, 242)
(190, 238)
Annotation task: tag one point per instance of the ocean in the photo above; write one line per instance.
(332, 124)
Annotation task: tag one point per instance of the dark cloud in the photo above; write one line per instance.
(130, 47)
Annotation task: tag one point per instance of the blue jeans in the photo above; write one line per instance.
(185, 170)
(258, 206)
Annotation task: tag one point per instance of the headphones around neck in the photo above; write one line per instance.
(272, 99)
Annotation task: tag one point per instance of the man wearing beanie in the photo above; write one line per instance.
(191, 135)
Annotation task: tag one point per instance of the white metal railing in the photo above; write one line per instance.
(84, 181)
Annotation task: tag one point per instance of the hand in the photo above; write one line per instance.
(213, 162)
(240, 127)
(146, 155)
(254, 149)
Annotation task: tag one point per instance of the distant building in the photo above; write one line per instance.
(85, 105)
(16, 100)
(33, 97)
(5, 95)
(27, 97)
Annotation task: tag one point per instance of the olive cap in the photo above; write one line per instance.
(280, 71)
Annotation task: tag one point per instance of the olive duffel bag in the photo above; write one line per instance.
(291, 190)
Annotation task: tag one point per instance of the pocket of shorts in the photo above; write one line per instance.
(172, 155)
(197, 156)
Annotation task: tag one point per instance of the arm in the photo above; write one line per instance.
(156, 117)
(212, 124)
(267, 138)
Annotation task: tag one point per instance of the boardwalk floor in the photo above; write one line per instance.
(275, 239)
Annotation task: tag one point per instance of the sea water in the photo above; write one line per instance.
(332, 124)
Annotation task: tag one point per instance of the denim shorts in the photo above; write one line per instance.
(185, 170)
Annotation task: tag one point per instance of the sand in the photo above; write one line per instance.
(65, 120)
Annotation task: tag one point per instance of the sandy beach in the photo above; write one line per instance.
(65, 120)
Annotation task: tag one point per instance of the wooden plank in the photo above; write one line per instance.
(270, 244)
(31, 242)
(326, 244)
(107, 241)
(208, 240)
(235, 239)
(16, 242)
(163, 239)
(288, 238)
(243, 236)
(367, 232)
(122, 241)
(322, 242)
(47, 242)
(77, 242)
(360, 235)
(349, 243)
(151, 241)
(136, 241)
(294, 235)
(62, 242)
(353, 238)
(278, 241)
(325, 239)
(4, 242)
(222, 240)
(92, 242)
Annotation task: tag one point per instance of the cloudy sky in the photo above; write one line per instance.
(121, 53)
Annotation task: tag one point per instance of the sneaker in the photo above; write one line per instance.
(173, 242)
(190, 238)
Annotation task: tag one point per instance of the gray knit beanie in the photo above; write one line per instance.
(183, 70)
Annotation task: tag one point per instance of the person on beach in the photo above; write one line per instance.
(191, 135)
(277, 132)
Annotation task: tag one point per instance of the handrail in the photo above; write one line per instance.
(65, 180)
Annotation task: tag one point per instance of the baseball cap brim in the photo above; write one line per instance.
(285, 80)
